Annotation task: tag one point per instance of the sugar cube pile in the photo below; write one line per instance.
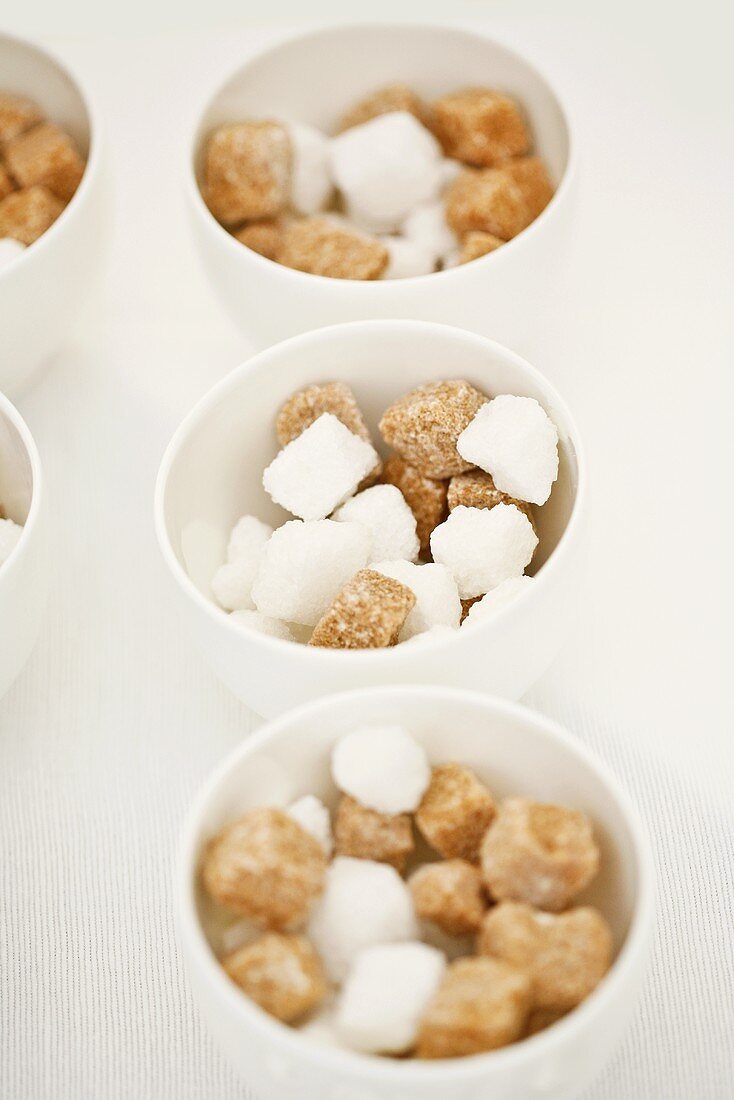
(403, 188)
(348, 931)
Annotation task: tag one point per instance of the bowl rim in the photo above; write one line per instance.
(364, 286)
(91, 168)
(8, 409)
(631, 955)
(259, 363)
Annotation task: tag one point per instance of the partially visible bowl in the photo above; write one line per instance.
(314, 78)
(514, 751)
(42, 290)
(211, 474)
(24, 575)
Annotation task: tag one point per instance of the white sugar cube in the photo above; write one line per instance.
(263, 624)
(305, 565)
(382, 767)
(427, 227)
(385, 167)
(311, 182)
(514, 440)
(313, 816)
(10, 249)
(247, 539)
(496, 598)
(364, 903)
(383, 511)
(10, 533)
(232, 582)
(407, 258)
(386, 993)
(319, 469)
(484, 546)
(437, 600)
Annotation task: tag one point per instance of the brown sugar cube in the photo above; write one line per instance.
(531, 176)
(476, 244)
(17, 115)
(306, 406)
(266, 867)
(320, 246)
(26, 214)
(281, 974)
(538, 853)
(488, 200)
(368, 613)
(466, 606)
(366, 834)
(425, 496)
(395, 97)
(455, 812)
(450, 895)
(477, 1007)
(476, 489)
(47, 157)
(247, 171)
(480, 126)
(264, 237)
(566, 955)
(540, 1019)
(424, 425)
(6, 183)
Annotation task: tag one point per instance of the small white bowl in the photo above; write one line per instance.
(24, 575)
(314, 78)
(516, 752)
(42, 290)
(212, 473)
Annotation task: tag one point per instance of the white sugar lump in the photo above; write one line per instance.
(247, 539)
(363, 903)
(319, 469)
(514, 440)
(311, 182)
(313, 816)
(10, 533)
(427, 226)
(386, 167)
(232, 582)
(262, 624)
(305, 565)
(483, 547)
(383, 511)
(385, 996)
(407, 258)
(10, 249)
(496, 598)
(382, 767)
(437, 601)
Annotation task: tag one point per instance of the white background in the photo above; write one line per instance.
(116, 720)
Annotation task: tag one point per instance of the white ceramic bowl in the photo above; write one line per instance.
(24, 575)
(514, 751)
(42, 290)
(314, 78)
(211, 474)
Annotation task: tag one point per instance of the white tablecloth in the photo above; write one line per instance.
(116, 720)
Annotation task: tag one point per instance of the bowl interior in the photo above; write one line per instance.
(16, 473)
(27, 71)
(316, 78)
(215, 473)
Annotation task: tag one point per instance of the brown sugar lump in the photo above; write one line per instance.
(476, 244)
(466, 606)
(26, 214)
(425, 496)
(282, 974)
(45, 156)
(488, 200)
(482, 1004)
(321, 246)
(480, 126)
(538, 853)
(455, 812)
(531, 176)
(307, 405)
(366, 834)
(540, 1019)
(6, 183)
(266, 867)
(476, 489)
(565, 955)
(450, 895)
(424, 425)
(265, 238)
(247, 171)
(393, 97)
(368, 613)
(17, 115)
